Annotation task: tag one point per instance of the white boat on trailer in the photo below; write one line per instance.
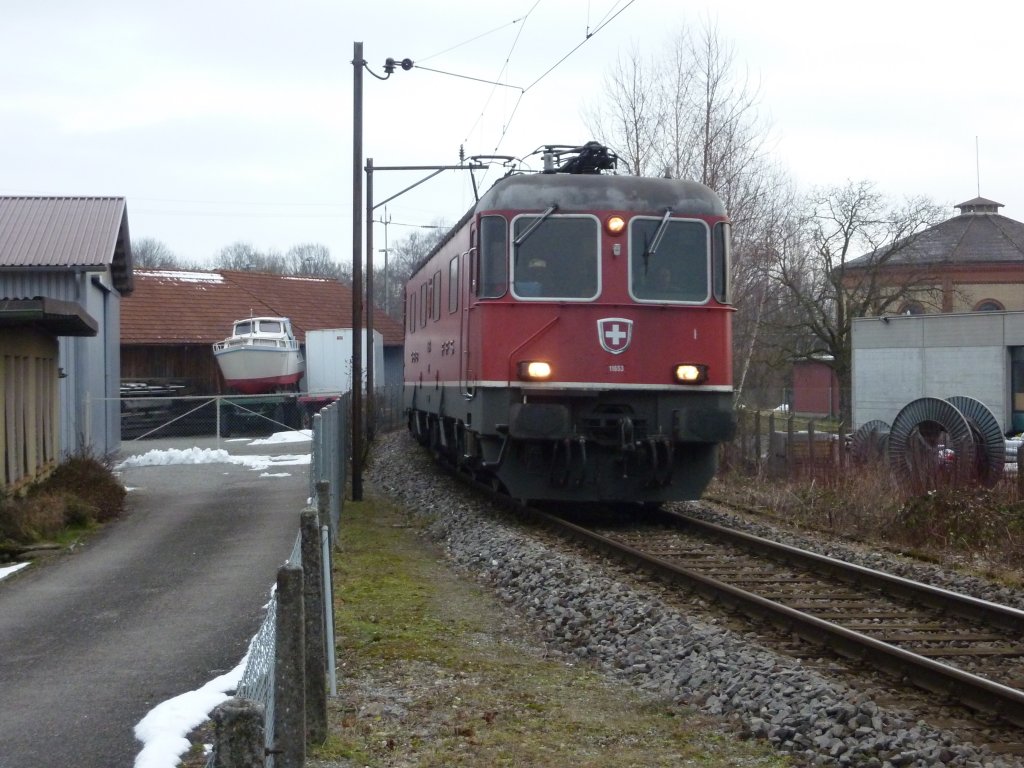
(260, 356)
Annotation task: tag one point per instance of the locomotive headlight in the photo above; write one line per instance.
(615, 225)
(691, 373)
(534, 370)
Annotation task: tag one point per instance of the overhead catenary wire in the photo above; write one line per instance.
(606, 20)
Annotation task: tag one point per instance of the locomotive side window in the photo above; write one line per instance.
(435, 301)
(556, 258)
(453, 284)
(672, 267)
(410, 310)
(424, 304)
(721, 260)
(493, 257)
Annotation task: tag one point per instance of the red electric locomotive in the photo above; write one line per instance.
(570, 339)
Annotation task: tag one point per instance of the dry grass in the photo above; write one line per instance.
(952, 525)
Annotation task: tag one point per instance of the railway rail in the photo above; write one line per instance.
(965, 649)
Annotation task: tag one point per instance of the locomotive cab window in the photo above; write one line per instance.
(721, 262)
(669, 260)
(555, 257)
(453, 284)
(435, 299)
(493, 257)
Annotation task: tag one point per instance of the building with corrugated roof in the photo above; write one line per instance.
(65, 264)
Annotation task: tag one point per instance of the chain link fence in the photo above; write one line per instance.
(162, 410)
(259, 684)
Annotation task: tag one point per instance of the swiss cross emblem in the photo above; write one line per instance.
(614, 333)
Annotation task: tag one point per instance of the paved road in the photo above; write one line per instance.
(156, 604)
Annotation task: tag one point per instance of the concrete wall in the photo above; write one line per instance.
(901, 358)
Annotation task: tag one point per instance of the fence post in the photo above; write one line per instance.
(289, 671)
(238, 734)
(313, 598)
(790, 455)
(316, 469)
(1020, 474)
(757, 442)
(840, 454)
(812, 468)
(323, 501)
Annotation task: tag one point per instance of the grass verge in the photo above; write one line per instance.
(434, 672)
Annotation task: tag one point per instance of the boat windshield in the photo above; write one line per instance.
(270, 326)
(243, 328)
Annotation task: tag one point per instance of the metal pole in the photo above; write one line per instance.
(325, 557)
(387, 298)
(370, 408)
(357, 271)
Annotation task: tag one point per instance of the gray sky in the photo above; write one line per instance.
(224, 121)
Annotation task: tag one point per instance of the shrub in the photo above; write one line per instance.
(80, 492)
(962, 519)
(92, 482)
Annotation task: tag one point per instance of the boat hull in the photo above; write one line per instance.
(251, 370)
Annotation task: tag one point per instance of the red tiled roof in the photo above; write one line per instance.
(177, 307)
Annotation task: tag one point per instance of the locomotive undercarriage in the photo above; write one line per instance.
(649, 447)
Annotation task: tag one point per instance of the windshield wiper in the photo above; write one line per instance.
(658, 235)
(532, 228)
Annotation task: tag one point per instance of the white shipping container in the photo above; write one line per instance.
(329, 360)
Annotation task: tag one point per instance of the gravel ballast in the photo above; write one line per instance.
(624, 626)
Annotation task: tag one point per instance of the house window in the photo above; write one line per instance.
(988, 305)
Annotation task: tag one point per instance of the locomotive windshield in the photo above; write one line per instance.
(677, 270)
(558, 260)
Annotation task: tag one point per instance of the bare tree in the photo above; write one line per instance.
(244, 256)
(690, 113)
(313, 260)
(150, 253)
(402, 258)
(824, 291)
(628, 117)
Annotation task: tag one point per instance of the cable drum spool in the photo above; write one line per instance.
(989, 444)
(870, 442)
(931, 444)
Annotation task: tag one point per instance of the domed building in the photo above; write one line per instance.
(973, 262)
(959, 332)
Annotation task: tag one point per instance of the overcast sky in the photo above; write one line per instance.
(224, 121)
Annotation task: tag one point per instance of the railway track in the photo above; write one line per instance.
(966, 650)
